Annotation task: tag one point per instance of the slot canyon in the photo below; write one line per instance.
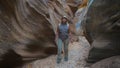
(28, 28)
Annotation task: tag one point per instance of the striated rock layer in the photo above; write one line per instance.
(103, 32)
(27, 28)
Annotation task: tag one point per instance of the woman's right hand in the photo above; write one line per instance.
(56, 38)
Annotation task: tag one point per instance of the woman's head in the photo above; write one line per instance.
(64, 19)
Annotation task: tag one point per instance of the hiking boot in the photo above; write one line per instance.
(65, 59)
(58, 60)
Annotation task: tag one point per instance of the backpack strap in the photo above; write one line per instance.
(68, 24)
(59, 24)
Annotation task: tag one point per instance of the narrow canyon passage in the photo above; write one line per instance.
(28, 29)
(78, 53)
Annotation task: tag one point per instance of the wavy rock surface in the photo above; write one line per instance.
(103, 31)
(27, 28)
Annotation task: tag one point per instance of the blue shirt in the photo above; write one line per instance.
(63, 31)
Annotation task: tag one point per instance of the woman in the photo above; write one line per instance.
(62, 38)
